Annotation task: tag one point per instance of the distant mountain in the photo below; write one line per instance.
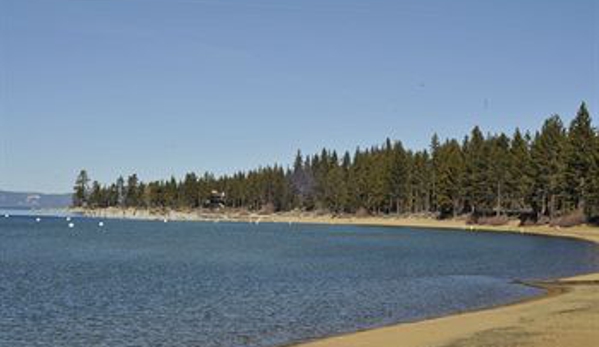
(33, 200)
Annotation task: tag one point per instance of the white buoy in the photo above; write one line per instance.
(68, 219)
(165, 220)
(100, 224)
(6, 215)
(71, 225)
(38, 219)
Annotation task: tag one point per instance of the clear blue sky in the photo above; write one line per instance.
(164, 87)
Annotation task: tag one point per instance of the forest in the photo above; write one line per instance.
(538, 177)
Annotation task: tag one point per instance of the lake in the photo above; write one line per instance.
(149, 283)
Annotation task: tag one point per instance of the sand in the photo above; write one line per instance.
(567, 316)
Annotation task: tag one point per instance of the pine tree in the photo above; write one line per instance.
(131, 191)
(499, 171)
(190, 198)
(547, 155)
(556, 172)
(96, 196)
(579, 158)
(120, 191)
(398, 177)
(476, 169)
(299, 179)
(81, 189)
(339, 195)
(520, 172)
(171, 193)
(434, 147)
(112, 196)
(358, 181)
(378, 179)
(450, 173)
(421, 182)
(143, 195)
(592, 191)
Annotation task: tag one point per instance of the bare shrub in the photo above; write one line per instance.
(493, 221)
(268, 208)
(472, 219)
(243, 213)
(527, 222)
(362, 212)
(543, 220)
(569, 220)
(321, 212)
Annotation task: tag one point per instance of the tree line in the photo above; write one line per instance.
(546, 174)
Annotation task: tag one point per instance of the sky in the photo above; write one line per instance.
(165, 87)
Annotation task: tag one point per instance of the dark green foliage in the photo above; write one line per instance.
(81, 190)
(449, 175)
(579, 148)
(477, 185)
(132, 192)
(521, 181)
(96, 198)
(499, 171)
(189, 191)
(398, 177)
(548, 162)
(554, 174)
(591, 206)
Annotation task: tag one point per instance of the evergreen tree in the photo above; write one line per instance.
(96, 196)
(171, 193)
(435, 147)
(190, 197)
(421, 182)
(476, 170)
(450, 172)
(579, 158)
(143, 195)
(81, 189)
(121, 191)
(398, 178)
(547, 155)
(358, 181)
(131, 191)
(499, 171)
(520, 172)
(592, 191)
(552, 174)
(112, 196)
(378, 179)
(337, 194)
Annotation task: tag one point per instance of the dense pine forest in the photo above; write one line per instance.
(540, 177)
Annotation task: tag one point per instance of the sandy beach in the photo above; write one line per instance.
(566, 316)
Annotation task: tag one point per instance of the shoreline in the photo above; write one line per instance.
(582, 232)
(566, 314)
(549, 289)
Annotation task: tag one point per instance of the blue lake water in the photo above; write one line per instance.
(147, 283)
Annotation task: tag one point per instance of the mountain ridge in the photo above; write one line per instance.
(32, 200)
